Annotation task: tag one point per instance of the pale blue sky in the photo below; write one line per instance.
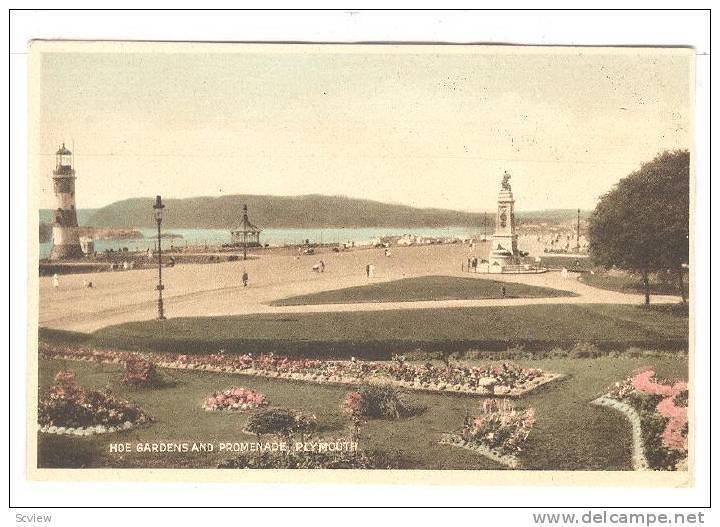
(428, 129)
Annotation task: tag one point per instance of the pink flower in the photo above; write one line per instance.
(352, 403)
(677, 419)
(679, 387)
(643, 383)
(479, 422)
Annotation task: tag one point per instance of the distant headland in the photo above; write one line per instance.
(307, 211)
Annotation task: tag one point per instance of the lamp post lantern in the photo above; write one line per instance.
(158, 207)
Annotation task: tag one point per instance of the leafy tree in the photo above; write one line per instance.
(642, 224)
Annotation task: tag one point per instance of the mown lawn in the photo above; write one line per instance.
(569, 434)
(423, 288)
(628, 283)
(568, 262)
(379, 334)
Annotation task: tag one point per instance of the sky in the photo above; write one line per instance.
(430, 126)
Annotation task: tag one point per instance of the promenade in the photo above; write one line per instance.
(216, 289)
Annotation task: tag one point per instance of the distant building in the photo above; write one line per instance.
(65, 239)
(246, 234)
(407, 240)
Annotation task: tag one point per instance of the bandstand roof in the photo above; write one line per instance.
(245, 225)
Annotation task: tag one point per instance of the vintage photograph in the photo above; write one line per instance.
(369, 257)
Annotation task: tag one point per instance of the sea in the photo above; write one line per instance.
(273, 237)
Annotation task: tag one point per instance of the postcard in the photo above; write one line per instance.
(445, 264)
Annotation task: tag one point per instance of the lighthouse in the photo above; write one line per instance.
(66, 243)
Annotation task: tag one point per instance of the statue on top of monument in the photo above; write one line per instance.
(506, 181)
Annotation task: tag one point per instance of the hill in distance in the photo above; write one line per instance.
(83, 216)
(308, 211)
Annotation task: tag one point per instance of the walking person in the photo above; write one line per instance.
(245, 278)
(56, 282)
(322, 266)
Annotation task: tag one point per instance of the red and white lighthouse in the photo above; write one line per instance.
(66, 243)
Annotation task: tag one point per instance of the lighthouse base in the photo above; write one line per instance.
(66, 252)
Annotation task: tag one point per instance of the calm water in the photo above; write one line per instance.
(275, 237)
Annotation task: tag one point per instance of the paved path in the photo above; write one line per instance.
(216, 289)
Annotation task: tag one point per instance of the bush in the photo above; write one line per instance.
(380, 401)
(235, 398)
(68, 405)
(658, 457)
(681, 399)
(662, 408)
(585, 350)
(141, 373)
(499, 426)
(280, 421)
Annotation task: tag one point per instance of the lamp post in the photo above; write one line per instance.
(158, 207)
(577, 234)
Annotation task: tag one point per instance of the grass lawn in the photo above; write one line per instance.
(423, 288)
(627, 283)
(569, 434)
(569, 262)
(379, 334)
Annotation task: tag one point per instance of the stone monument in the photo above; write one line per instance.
(504, 242)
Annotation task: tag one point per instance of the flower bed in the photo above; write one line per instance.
(657, 412)
(504, 380)
(281, 422)
(234, 399)
(141, 373)
(379, 401)
(498, 432)
(68, 409)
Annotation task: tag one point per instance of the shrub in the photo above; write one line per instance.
(380, 401)
(499, 426)
(585, 350)
(658, 456)
(281, 421)
(141, 373)
(634, 352)
(681, 399)
(662, 407)
(235, 398)
(68, 405)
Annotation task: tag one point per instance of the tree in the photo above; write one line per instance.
(642, 224)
